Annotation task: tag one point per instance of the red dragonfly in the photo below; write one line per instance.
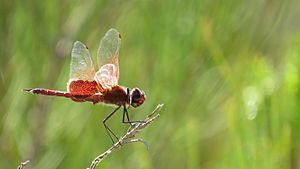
(86, 85)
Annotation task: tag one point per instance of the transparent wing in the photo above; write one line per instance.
(81, 67)
(108, 53)
(106, 76)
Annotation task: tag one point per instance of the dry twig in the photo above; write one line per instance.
(23, 164)
(128, 137)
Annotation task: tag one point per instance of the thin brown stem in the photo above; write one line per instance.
(129, 136)
(23, 164)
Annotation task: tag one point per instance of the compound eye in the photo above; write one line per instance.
(137, 97)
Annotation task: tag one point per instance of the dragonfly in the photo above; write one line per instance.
(87, 85)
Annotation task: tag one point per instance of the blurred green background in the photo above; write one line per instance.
(227, 71)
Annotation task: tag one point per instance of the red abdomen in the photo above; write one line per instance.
(82, 91)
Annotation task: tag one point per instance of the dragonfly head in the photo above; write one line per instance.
(136, 97)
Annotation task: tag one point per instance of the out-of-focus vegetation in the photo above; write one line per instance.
(227, 72)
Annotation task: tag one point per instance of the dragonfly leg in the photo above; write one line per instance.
(108, 130)
(125, 113)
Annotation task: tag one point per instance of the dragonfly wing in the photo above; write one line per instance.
(81, 67)
(108, 53)
(82, 71)
(107, 76)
